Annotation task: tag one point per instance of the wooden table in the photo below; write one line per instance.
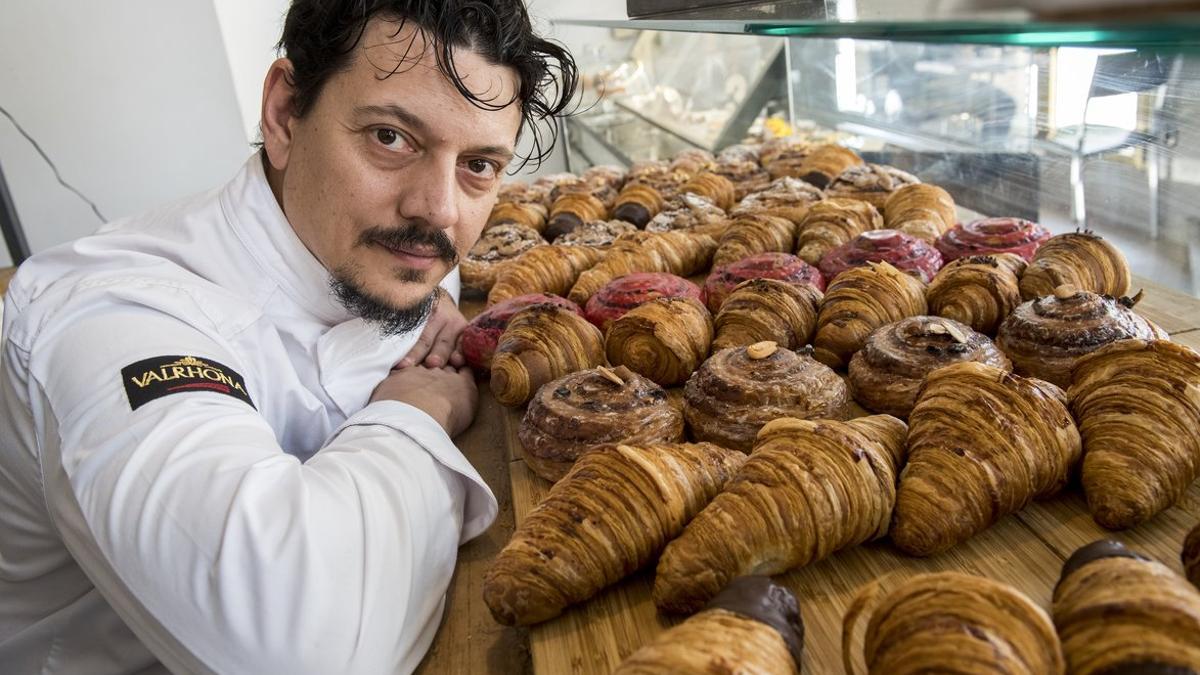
(1026, 550)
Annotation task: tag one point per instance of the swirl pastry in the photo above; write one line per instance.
(1191, 556)
(782, 266)
(832, 223)
(497, 247)
(982, 443)
(767, 309)
(903, 252)
(871, 183)
(693, 161)
(713, 186)
(637, 203)
(530, 214)
(600, 234)
(746, 175)
(859, 301)
(1044, 337)
(542, 343)
(680, 253)
(754, 233)
(632, 290)
(1119, 612)
(949, 622)
(543, 269)
(692, 213)
(740, 152)
(827, 162)
(594, 407)
(664, 339)
(480, 336)
(609, 516)
(805, 493)
(1084, 260)
(738, 390)
(571, 210)
(785, 198)
(992, 235)
(920, 210)
(887, 372)
(979, 291)
(1138, 407)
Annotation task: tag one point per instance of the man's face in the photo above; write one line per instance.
(391, 174)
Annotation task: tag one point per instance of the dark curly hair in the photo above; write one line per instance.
(319, 38)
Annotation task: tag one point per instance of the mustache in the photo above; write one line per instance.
(412, 235)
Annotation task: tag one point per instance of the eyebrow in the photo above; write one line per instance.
(417, 124)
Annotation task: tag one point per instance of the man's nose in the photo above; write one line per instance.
(430, 193)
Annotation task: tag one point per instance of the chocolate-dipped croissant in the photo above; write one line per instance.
(572, 209)
(753, 623)
(738, 390)
(993, 235)
(982, 443)
(1084, 260)
(664, 339)
(587, 408)
(610, 515)
(752, 234)
(1191, 556)
(496, 248)
(714, 186)
(887, 372)
(809, 489)
(772, 265)
(530, 214)
(637, 203)
(767, 309)
(979, 291)
(1138, 407)
(788, 198)
(827, 162)
(857, 302)
(920, 210)
(542, 343)
(680, 253)
(831, 223)
(1117, 611)
(481, 334)
(543, 269)
(622, 294)
(871, 183)
(601, 234)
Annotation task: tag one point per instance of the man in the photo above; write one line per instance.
(208, 461)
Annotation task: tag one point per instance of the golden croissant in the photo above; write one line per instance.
(571, 210)
(1138, 407)
(754, 233)
(609, 516)
(860, 300)
(542, 343)
(767, 309)
(825, 163)
(664, 340)
(920, 210)
(979, 291)
(1083, 259)
(543, 269)
(716, 187)
(831, 223)
(1191, 556)
(529, 214)
(637, 203)
(680, 253)
(982, 443)
(1117, 611)
(809, 489)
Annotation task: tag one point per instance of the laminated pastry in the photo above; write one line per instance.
(752, 234)
(790, 147)
(979, 291)
(480, 336)
(600, 234)
(1118, 611)
(664, 340)
(497, 247)
(1191, 556)
(753, 623)
(738, 390)
(570, 210)
(887, 372)
(679, 253)
(859, 301)
(605, 174)
(871, 183)
(530, 214)
(543, 269)
(827, 162)
(782, 266)
(517, 192)
(785, 197)
(1138, 407)
(624, 293)
(693, 161)
(982, 443)
(1084, 260)
(593, 407)
(713, 186)
(692, 213)
(549, 182)
(610, 515)
(903, 252)
(949, 622)
(993, 235)
(832, 223)
(920, 210)
(542, 343)
(1045, 337)
(767, 309)
(740, 152)
(601, 190)
(809, 489)
(637, 203)
(746, 176)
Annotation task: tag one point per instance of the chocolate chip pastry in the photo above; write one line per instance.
(979, 291)
(767, 309)
(543, 269)
(920, 210)
(788, 198)
(679, 253)
(542, 343)
(497, 247)
(665, 339)
(857, 302)
(481, 334)
(871, 183)
(771, 265)
(1084, 260)
(832, 223)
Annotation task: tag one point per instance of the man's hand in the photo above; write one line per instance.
(438, 344)
(448, 395)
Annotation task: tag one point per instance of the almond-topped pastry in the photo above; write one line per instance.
(785, 197)
(746, 175)
(871, 183)
(993, 235)
(497, 246)
(690, 212)
(905, 253)
(596, 233)
(594, 407)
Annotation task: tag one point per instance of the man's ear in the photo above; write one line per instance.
(278, 113)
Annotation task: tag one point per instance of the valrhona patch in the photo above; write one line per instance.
(160, 376)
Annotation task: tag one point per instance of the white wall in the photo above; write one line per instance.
(250, 29)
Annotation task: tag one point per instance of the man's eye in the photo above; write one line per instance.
(387, 137)
(481, 167)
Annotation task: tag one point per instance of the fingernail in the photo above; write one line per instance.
(435, 361)
(405, 362)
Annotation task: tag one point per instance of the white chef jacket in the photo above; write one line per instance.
(261, 518)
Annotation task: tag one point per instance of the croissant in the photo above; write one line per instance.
(680, 253)
(754, 233)
(1191, 556)
(712, 185)
(785, 198)
(767, 309)
(571, 210)
(920, 210)
(622, 294)
(693, 161)
(746, 176)
(692, 213)
(600, 234)
(637, 203)
(993, 235)
(496, 248)
(831, 223)
(542, 343)
(982, 443)
(860, 300)
(906, 253)
(1084, 260)
(738, 390)
(740, 152)
(887, 372)
(543, 269)
(480, 336)
(782, 266)
(793, 147)
(754, 623)
(1119, 612)
(871, 183)
(520, 193)
(608, 175)
(1138, 407)
(979, 291)
(827, 162)
(530, 214)
(949, 622)
(664, 339)
(805, 493)
(609, 516)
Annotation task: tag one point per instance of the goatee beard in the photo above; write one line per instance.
(387, 319)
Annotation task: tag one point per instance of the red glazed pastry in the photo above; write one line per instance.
(771, 265)
(905, 253)
(993, 235)
(624, 293)
(481, 334)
